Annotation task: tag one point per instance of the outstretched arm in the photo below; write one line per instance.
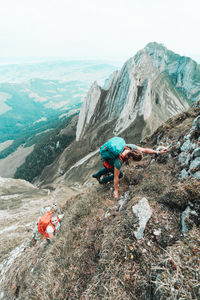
(151, 151)
(116, 183)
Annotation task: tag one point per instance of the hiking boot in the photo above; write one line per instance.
(104, 180)
(96, 177)
(101, 181)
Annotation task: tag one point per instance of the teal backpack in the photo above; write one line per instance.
(112, 148)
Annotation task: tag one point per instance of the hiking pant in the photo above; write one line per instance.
(106, 171)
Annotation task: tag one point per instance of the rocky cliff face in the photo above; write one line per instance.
(152, 86)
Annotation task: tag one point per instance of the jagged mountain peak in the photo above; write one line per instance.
(151, 86)
(154, 46)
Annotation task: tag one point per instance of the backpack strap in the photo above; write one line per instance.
(107, 165)
(121, 156)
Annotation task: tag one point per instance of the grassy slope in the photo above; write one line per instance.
(97, 258)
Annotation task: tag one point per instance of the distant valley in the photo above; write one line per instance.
(38, 98)
(35, 93)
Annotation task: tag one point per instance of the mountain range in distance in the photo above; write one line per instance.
(34, 93)
(78, 70)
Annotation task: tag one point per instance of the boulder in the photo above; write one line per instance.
(196, 152)
(143, 212)
(183, 174)
(195, 165)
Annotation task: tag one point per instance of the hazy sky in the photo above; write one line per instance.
(103, 29)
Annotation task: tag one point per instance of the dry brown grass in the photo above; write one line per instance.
(177, 273)
(96, 258)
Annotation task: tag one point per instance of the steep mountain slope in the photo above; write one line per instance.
(47, 148)
(151, 87)
(36, 150)
(109, 249)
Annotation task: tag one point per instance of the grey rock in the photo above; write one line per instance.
(162, 158)
(123, 199)
(194, 146)
(187, 137)
(195, 165)
(196, 124)
(186, 146)
(187, 161)
(196, 152)
(182, 158)
(196, 175)
(143, 211)
(185, 220)
(183, 174)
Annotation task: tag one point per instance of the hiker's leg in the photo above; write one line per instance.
(111, 177)
(108, 178)
(101, 172)
(121, 174)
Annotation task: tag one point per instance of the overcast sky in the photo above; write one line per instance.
(91, 29)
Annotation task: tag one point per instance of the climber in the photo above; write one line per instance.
(48, 224)
(53, 225)
(113, 162)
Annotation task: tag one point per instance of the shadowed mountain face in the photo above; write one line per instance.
(99, 252)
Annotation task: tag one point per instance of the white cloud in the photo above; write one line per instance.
(90, 28)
